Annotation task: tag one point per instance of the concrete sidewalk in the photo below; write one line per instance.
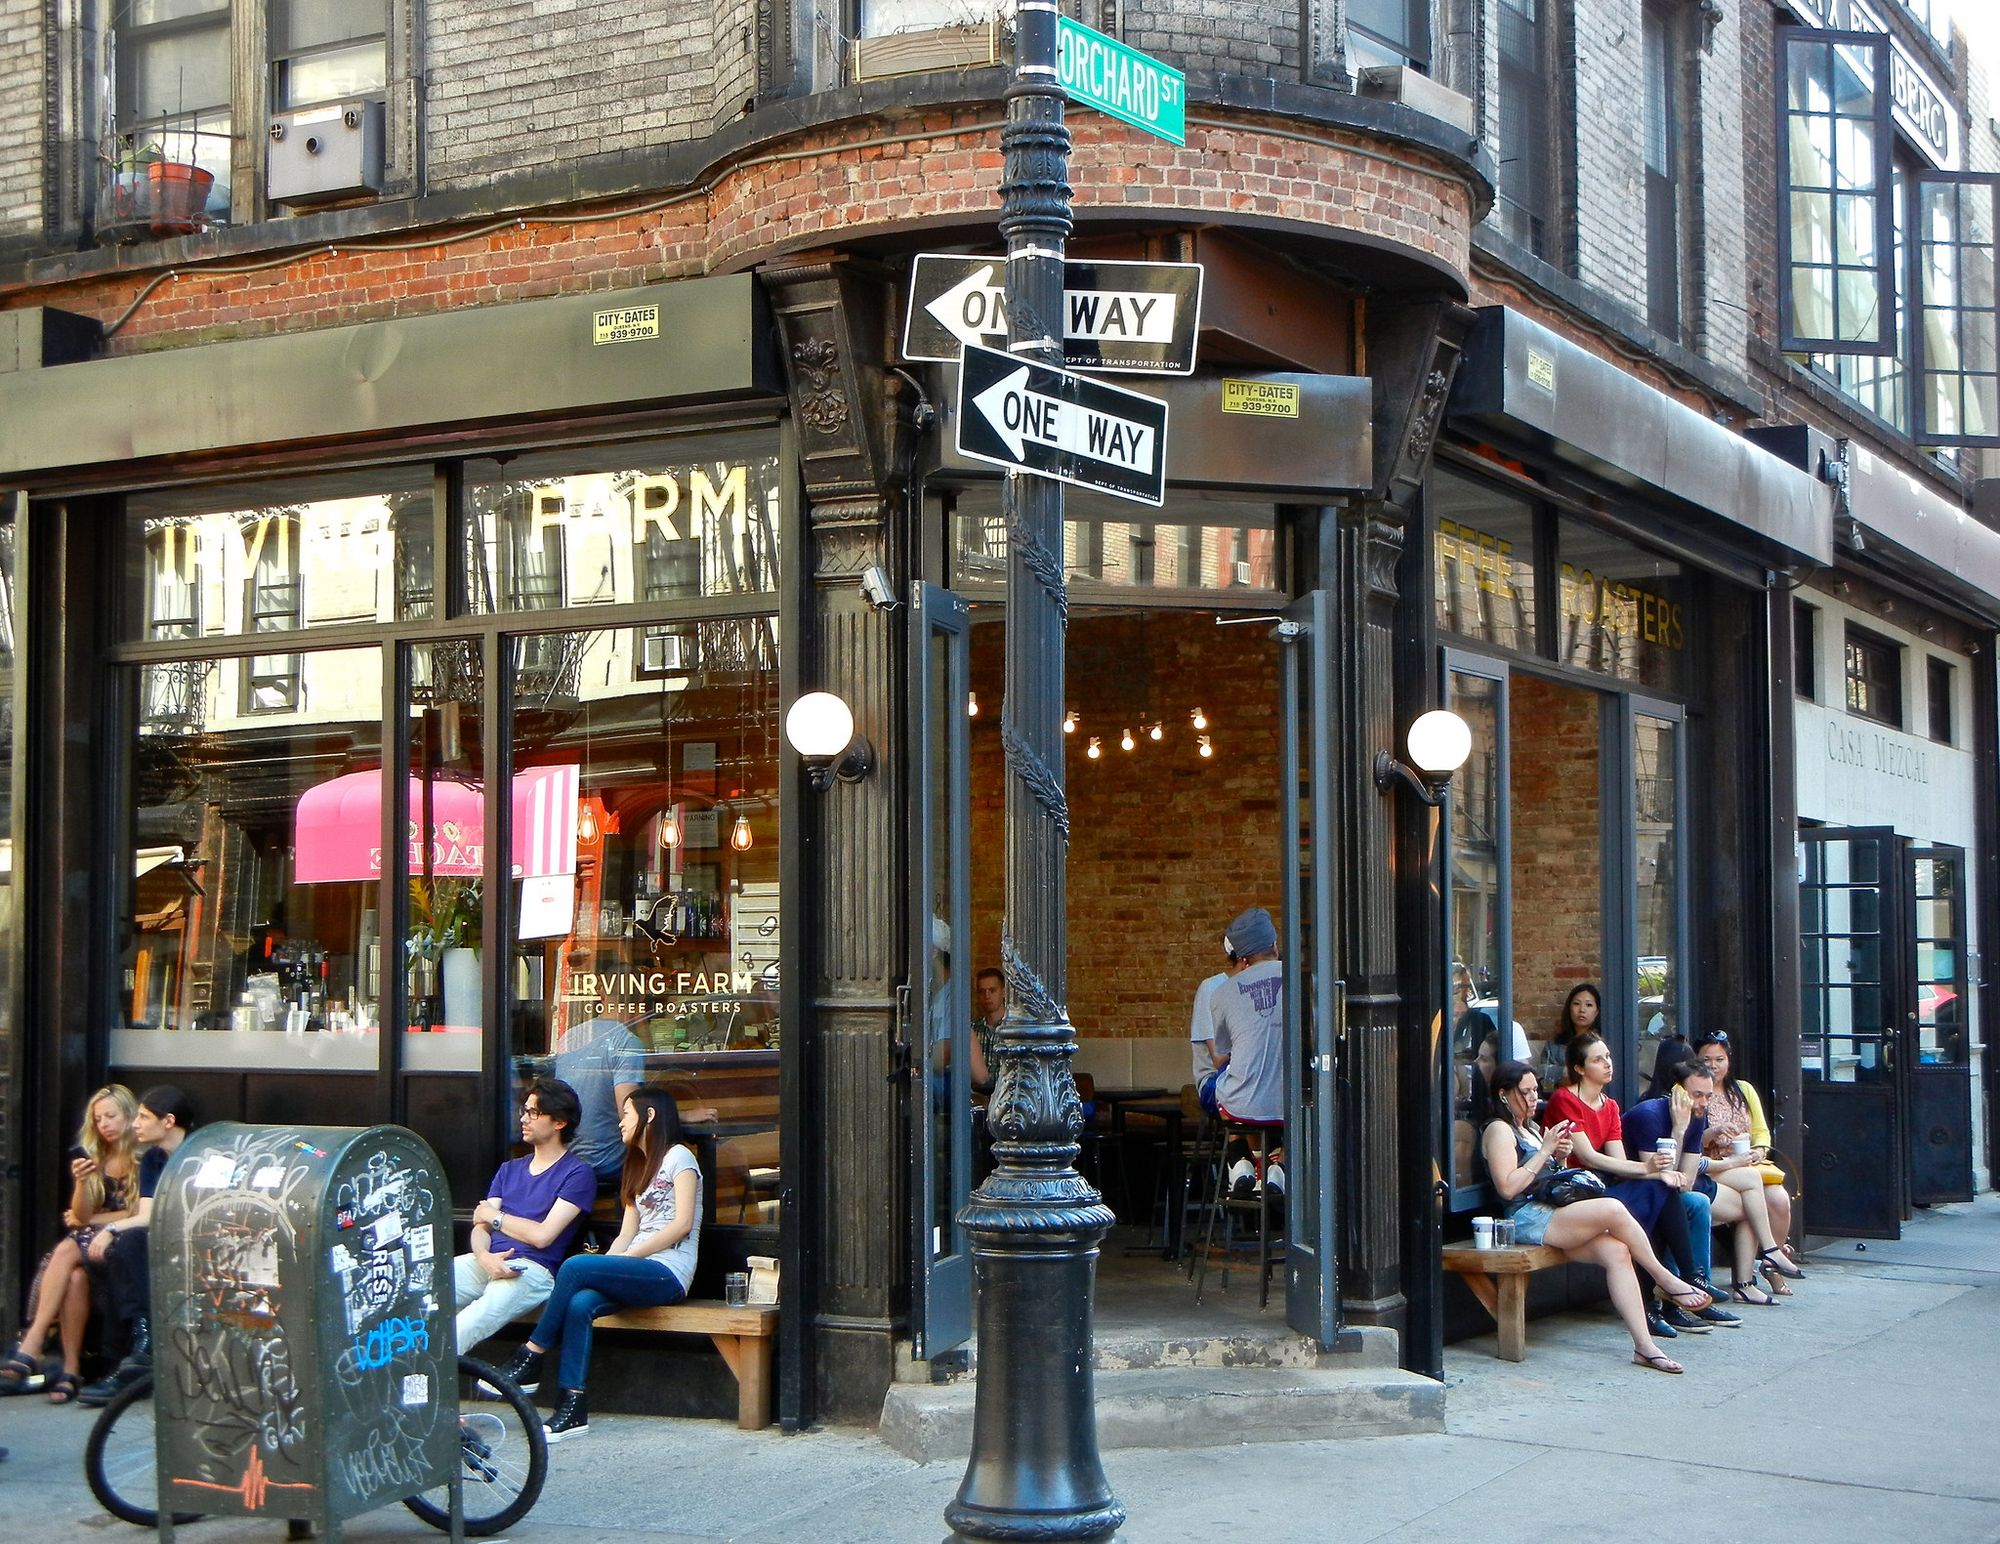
(1851, 1412)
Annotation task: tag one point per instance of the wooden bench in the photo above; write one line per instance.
(1499, 1279)
(746, 1337)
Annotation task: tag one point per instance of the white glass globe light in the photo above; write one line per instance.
(820, 726)
(1439, 742)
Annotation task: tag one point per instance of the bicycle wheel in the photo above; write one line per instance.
(120, 1462)
(504, 1453)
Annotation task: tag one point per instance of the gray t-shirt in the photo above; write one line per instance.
(1250, 1031)
(594, 1057)
(655, 1205)
(1201, 1026)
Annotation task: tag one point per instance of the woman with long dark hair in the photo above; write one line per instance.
(1735, 1111)
(649, 1265)
(1518, 1153)
(1582, 1014)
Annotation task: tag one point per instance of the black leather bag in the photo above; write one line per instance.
(1565, 1187)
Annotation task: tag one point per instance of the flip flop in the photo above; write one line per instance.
(1657, 1363)
(1691, 1301)
(62, 1387)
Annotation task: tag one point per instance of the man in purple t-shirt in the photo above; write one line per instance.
(524, 1227)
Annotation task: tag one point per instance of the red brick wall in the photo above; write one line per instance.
(1165, 848)
(826, 187)
(1558, 856)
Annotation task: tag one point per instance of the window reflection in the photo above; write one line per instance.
(1218, 545)
(447, 859)
(1477, 995)
(643, 886)
(1656, 830)
(250, 869)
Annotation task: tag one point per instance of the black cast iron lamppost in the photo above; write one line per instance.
(1439, 741)
(1035, 1223)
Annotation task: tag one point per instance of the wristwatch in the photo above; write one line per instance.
(499, 1218)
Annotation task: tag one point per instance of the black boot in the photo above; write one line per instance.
(524, 1371)
(141, 1354)
(572, 1417)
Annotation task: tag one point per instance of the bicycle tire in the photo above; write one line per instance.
(506, 1456)
(121, 1463)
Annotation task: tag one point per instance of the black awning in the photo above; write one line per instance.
(1528, 389)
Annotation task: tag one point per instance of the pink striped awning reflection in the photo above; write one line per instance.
(337, 827)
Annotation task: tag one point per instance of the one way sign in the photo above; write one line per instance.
(1137, 317)
(1041, 419)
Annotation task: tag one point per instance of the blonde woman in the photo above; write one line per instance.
(103, 1169)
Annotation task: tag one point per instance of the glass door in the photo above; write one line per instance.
(940, 1008)
(1850, 896)
(1940, 1107)
(1657, 979)
(1314, 1003)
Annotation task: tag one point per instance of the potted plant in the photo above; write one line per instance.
(180, 196)
(126, 210)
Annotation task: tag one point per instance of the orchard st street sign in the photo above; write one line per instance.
(1103, 73)
(1136, 317)
(1036, 418)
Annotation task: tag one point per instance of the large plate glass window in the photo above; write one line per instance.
(1483, 552)
(1621, 610)
(1957, 224)
(249, 870)
(1659, 963)
(1836, 289)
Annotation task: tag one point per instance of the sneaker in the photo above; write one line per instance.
(1660, 1328)
(1681, 1319)
(1721, 1316)
(572, 1418)
(524, 1371)
(1242, 1179)
(106, 1388)
(1274, 1177)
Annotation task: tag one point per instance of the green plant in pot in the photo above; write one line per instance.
(180, 196)
(127, 211)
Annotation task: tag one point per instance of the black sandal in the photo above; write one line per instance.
(15, 1371)
(62, 1387)
(1741, 1290)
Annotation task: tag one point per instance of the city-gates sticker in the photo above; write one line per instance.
(627, 324)
(1260, 399)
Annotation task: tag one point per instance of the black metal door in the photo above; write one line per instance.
(1853, 986)
(939, 1012)
(1313, 1000)
(1940, 1066)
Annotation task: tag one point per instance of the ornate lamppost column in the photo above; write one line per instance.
(1035, 1223)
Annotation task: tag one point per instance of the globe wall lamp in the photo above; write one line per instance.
(1438, 743)
(820, 728)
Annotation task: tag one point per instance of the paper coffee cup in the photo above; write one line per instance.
(1740, 1146)
(1482, 1233)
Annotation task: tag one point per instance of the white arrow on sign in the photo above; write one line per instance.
(975, 309)
(1019, 415)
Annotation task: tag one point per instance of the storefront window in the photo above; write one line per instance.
(643, 885)
(1656, 832)
(622, 524)
(1478, 986)
(7, 658)
(279, 558)
(251, 866)
(448, 860)
(1620, 610)
(1197, 545)
(1483, 550)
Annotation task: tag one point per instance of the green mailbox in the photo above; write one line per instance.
(304, 1361)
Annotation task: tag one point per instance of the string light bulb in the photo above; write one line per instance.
(972, 704)
(1200, 720)
(1156, 732)
(1069, 722)
(1126, 742)
(1204, 746)
(1095, 749)
(586, 822)
(739, 834)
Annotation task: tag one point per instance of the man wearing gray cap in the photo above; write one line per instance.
(1250, 1025)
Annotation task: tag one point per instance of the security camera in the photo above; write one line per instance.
(877, 590)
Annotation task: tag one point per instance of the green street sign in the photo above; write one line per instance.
(1103, 73)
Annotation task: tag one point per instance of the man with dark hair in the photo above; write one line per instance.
(1680, 1116)
(989, 1011)
(532, 1213)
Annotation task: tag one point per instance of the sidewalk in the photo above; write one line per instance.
(1851, 1412)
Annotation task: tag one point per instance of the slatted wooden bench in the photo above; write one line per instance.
(746, 1337)
(1499, 1279)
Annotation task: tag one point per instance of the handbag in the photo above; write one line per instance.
(1566, 1187)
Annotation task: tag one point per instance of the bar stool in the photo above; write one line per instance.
(1229, 1208)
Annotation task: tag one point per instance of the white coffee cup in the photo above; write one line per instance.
(1482, 1233)
(1740, 1146)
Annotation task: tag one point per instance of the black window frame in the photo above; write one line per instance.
(1805, 651)
(1660, 119)
(1938, 683)
(1870, 646)
(1412, 47)
(1525, 86)
(282, 60)
(1790, 339)
(1921, 310)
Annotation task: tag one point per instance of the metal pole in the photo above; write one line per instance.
(1035, 1223)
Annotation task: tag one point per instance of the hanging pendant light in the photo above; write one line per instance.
(1156, 732)
(972, 704)
(1200, 720)
(1069, 722)
(1204, 746)
(670, 826)
(739, 834)
(1126, 742)
(1096, 748)
(586, 821)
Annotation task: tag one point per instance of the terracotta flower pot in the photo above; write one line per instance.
(180, 192)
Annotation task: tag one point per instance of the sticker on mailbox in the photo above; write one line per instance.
(1260, 399)
(628, 324)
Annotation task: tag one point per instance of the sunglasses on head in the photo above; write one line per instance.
(1718, 1038)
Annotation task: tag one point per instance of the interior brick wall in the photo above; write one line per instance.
(1558, 865)
(1165, 848)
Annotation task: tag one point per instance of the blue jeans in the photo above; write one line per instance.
(1700, 1240)
(588, 1286)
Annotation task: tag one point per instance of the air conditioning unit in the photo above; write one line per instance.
(970, 47)
(318, 155)
(1242, 573)
(1418, 92)
(663, 652)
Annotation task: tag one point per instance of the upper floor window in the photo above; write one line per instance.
(1525, 206)
(1389, 32)
(1934, 16)
(1937, 681)
(1958, 312)
(1805, 651)
(1881, 382)
(1662, 155)
(327, 51)
(1874, 678)
(171, 62)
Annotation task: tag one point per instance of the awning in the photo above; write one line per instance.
(337, 827)
(144, 861)
(1529, 389)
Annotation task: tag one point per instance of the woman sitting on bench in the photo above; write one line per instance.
(649, 1265)
(1600, 1231)
(1734, 1112)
